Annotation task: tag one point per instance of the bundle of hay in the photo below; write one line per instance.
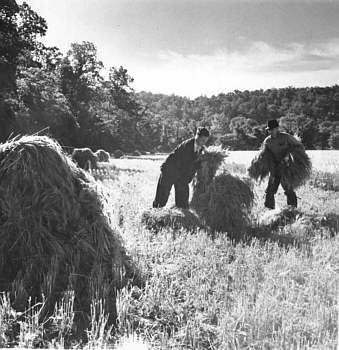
(85, 158)
(308, 224)
(102, 155)
(54, 235)
(293, 221)
(261, 165)
(118, 153)
(279, 217)
(158, 218)
(295, 172)
(298, 169)
(210, 161)
(222, 200)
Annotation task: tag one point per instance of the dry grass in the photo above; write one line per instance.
(176, 218)
(204, 293)
(325, 180)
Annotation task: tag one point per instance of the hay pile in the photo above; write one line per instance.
(102, 155)
(156, 219)
(85, 158)
(221, 200)
(118, 153)
(279, 217)
(296, 172)
(292, 220)
(54, 235)
(306, 224)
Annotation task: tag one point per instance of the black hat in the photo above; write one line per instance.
(272, 124)
(201, 131)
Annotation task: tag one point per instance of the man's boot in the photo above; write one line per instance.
(269, 201)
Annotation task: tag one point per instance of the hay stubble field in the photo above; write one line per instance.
(277, 290)
(218, 294)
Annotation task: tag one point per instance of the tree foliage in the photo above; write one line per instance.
(68, 97)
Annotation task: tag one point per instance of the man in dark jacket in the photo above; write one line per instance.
(179, 169)
(279, 144)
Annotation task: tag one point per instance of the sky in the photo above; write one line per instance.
(204, 47)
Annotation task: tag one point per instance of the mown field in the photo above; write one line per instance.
(278, 291)
(217, 294)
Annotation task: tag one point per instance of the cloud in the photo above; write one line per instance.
(258, 66)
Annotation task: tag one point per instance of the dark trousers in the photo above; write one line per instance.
(273, 183)
(166, 180)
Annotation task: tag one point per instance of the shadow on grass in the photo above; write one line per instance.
(289, 227)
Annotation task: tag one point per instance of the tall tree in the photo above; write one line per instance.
(81, 83)
(19, 28)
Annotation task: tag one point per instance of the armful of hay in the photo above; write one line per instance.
(261, 165)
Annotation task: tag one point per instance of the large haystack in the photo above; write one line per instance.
(54, 235)
(85, 158)
(102, 155)
(222, 200)
(176, 218)
(295, 172)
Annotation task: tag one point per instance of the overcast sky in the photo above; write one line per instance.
(204, 47)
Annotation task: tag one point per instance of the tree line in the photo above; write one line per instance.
(68, 97)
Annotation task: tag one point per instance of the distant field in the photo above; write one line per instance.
(322, 160)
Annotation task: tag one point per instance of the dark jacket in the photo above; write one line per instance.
(182, 162)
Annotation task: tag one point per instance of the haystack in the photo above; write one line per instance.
(118, 153)
(223, 201)
(296, 172)
(102, 155)
(176, 218)
(85, 158)
(54, 235)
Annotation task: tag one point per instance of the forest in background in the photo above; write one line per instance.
(68, 97)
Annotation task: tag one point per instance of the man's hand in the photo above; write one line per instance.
(286, 160)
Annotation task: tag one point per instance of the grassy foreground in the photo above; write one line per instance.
(201, 293)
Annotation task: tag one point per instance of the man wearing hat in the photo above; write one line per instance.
(279, 144)
(179, 169)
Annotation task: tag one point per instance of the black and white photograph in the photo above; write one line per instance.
(169, 174)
